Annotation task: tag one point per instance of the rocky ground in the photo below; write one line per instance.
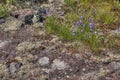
(28, 53)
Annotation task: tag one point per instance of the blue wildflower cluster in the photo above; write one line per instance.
(83, 25)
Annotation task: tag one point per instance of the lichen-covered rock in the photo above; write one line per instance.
(114, 66)
(50, 1)
(60, 65)
(24, 46)
(115, 33)
(44, 61)
(4, 43)
(2, 20)
(3, 70)
(12, 24)
(14, 66)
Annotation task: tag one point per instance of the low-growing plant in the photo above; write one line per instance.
(4, 10)
(83, 28)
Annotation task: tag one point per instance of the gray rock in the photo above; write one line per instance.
(3, 70)
(38, 25)
(78, 56)
(27, 46)
(12, 24)
(114, 65)
(115, 33)
(44, 61)
(41, 33)
(55, 38)
(2, 21)
(14, 66)
(50, 1)
(46, 70)
(57, 64)
(3, 43)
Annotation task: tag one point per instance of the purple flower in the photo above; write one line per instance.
(94, 10)
(80, 22)
(89, 19)
(117, 30)
(84, 25)
(46, 12)
(51, 11)
(95, 32)
(81, 16)
(75, 26)
(77, 23)
(82, 30)
(73, 32)
(91, 26)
